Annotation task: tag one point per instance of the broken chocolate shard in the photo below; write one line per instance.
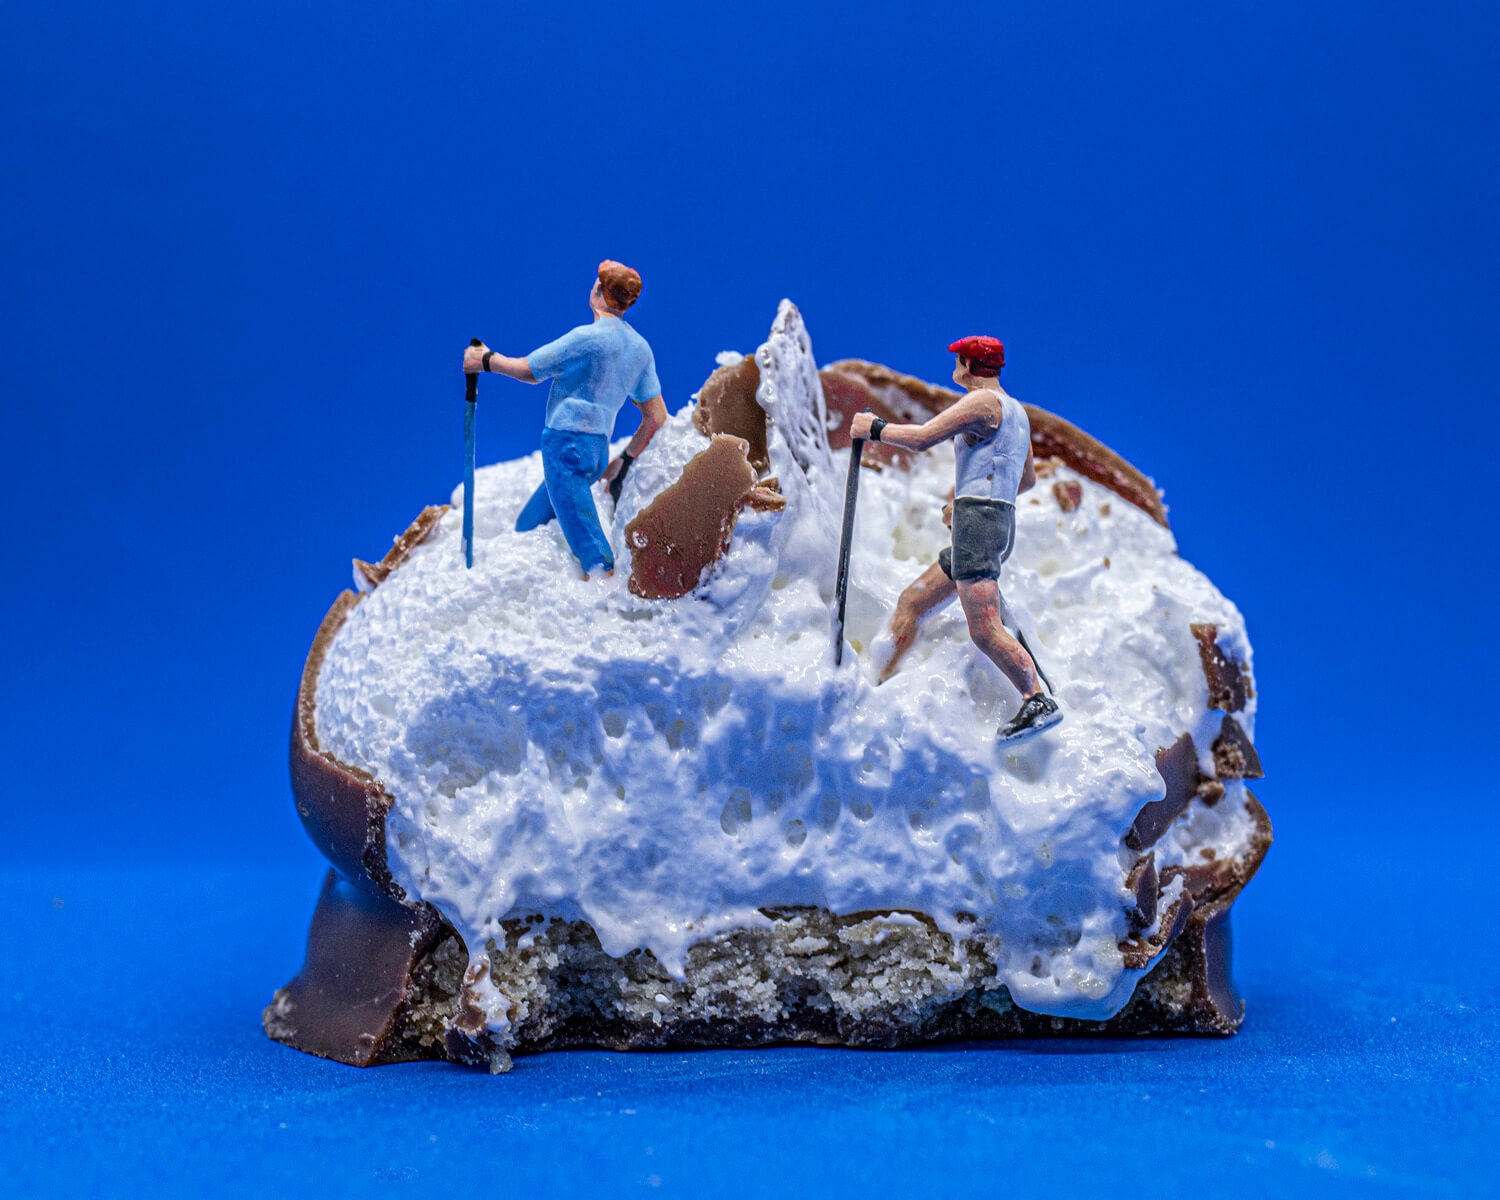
(347, 1001)
(369, 576)
(764, 499)
(727, 404)
(1234, 755)
(1068, 493)
(1054, 437)
(843, 396)
(1178, 767)
(1143, 882)
(1228, 685)
(912, 399)
(1219, 879)
(342, 807)
(686, 528)
(1139, 952)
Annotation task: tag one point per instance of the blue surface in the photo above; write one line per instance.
(1252, 246)
(1367, 1062)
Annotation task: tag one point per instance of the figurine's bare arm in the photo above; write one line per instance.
(653, 417)
(1028, 473)
(516, 368)
(979, 413)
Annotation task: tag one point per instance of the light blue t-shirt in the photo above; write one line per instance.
(594, 369)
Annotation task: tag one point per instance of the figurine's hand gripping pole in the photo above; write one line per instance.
(846, 542)
(471, 397)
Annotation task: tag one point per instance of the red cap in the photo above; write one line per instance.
(980, 351)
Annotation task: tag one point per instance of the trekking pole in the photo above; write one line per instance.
(846, 541)
(471, 398)
(1009, 618)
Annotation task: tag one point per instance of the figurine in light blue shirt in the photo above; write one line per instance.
(594, 369)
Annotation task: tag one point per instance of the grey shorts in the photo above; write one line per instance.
(984, 534)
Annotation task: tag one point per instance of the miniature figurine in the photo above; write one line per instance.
(593, 369)
(992, 438)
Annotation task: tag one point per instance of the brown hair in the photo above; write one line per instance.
(619, 284)
(981, 370)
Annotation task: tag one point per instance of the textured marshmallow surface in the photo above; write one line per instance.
(665, 769)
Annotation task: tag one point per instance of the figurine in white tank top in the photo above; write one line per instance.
(991, 437)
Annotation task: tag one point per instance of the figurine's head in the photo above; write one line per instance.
(979, 359)
(616, 288)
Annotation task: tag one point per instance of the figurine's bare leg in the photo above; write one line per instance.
(926, 592)
(981, 601)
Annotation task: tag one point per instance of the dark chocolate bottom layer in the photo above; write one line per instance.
(383, 983)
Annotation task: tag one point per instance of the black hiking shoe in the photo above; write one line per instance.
(1038, 713)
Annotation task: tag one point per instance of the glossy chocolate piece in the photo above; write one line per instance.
(1178, 767)
(1211, 879)
(843, 396)
(686, 528)
(1234, 756)
(765, 496)
(368, 576)
(365, 943)
(1218, 1007)
(727, 404)
(1229, 686)
(1068, 493)
(343, 808)
(1138, 952)
(355, 985)
(1143, 882)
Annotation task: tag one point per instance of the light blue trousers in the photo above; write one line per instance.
(571, 463)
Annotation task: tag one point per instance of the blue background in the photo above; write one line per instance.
(1251, 246)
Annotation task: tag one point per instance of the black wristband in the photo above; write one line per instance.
(487, 355)
(617, 484)
(875, 427)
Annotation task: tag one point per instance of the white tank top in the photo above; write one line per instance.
(992, 469)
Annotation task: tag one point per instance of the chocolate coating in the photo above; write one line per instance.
(348, 1000)
(675, 538)
(1234, 756)
(1178, 766)
(1229, 686)
(843, 396)
(727, 404)
(1143, 881)
(342, 808)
